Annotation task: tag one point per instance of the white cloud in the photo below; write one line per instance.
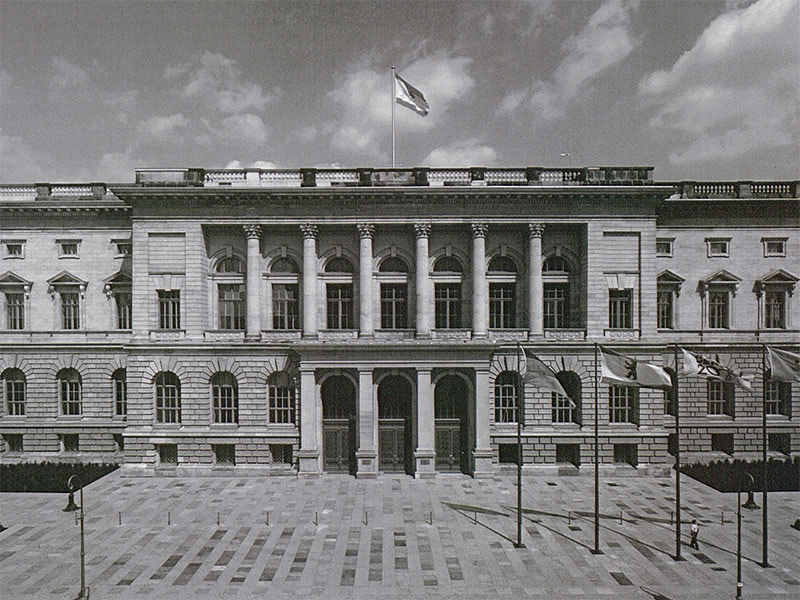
(18, 163)
(736, 90)
(259, 164)
(162, 129)
(218, 80)
(605, 41)
(464, 153)
(247, 129)
(117, 167)
(68, 75)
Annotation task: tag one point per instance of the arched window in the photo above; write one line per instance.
(168, 397)
(567, 409)
(506, 397)
(393, 279)
(69, 389)
(447, 283)
(339, 264)
(119, 380)
(229, 277)
(281, 398)
(14, 387)
(285, 293)
(502, 279)
(448, 264)
(231, 264)
(225, 398)
(339, 293)
(556, 275)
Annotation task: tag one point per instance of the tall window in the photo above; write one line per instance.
(225, 398)
(14, 387)
(69, 389)
(15, 310)
(281, 398)
(169, 309)
(501, 275)
(447, 278)
(506, 394)
(720, 397)
(231, 306)
(285, 294)
(168, 397)
(70, 310)
(123, 300)
(393, 278)
(556, 273)
(664, 306)
(567, 409)
(775, 309)
(339, 272)
(718, 310)
(778, 397)
(622, 404)
(119, 380)
(620, 309)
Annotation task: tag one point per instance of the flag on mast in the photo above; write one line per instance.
(694, 364)
(538, 374)
(407, 95)
(783, 365)
(622, 370)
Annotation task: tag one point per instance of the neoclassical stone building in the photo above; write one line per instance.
(370, 320)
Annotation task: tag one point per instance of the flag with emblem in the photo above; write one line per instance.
(695, 364)
(409, 96)
(618, 369)
(783, 365)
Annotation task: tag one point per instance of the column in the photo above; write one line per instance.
(367, 454)
(308, 458)
(366, 325)
(535, 285)
(482, 454)
(253, 302)
(309, 279)
(425, 454)
(424, 299)
(480, 296)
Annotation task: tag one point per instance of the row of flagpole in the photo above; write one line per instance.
(617, 369)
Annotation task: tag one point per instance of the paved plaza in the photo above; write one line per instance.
(394, 537)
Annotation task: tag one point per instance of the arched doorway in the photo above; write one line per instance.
(338, 425)
(394, 425)
(451, 399)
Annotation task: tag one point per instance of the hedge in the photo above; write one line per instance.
(727, 476)
(49, 476)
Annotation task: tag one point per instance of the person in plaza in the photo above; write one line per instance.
(694, 529)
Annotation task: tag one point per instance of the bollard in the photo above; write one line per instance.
(267, 518)
(569, 517)
(475, 517)
(620, 517)
(217, 518)
(722, 518)
(431, 517)
(316, 518)
(169, 518)
(119, 514)
(671, 516)
(366, 518)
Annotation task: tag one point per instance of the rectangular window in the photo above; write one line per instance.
(119, 442)
(340, 306)
(672, 444)
(778, 397)
(123, 300)
(224, 454)
(620, 309)
(168, 403)
(281, 454)
(664, 247)
(167, 454)
(562, 408)
(285, 311)
(120, 397)
(568, 453)
(502, 305)
(448, 305)
(13, 441)
(281, 404)
(231, 306)
(14, 249)
(226, 405)
(626, 454)
(669, 403)
(69, 442)
(394, 306)
(70, 397)
(15, 396)
(718, 247)
(556, 303)
(68, 248)
(169, 309)
(776, 442)
(664, 307)
(508, 454)
(774, 247)
(775, 309)
(720, 398)
(622, 404)
(15, 310)
(718, 310)
(70, 310)
(722, 442)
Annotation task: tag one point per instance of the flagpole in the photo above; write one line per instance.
(677, 462)
(394, 94)
(596, 461)
(520, 412)
(764, 521)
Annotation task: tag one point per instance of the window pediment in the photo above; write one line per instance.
(720, 279)
(119, 281)
(777, 279)
(668, 277)
(11, 279)
(66, 279)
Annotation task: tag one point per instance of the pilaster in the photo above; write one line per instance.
(367, 455)
(365, 235)
(309, 232)
(425, 454)
(480, 296)
(308, 458)
(253, 302)
(535, 283)
(482, 453)
(423, 283)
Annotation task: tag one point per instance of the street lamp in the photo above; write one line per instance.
(739, 584)
(72, 507)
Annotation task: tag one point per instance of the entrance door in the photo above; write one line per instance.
(450, 409)
(338, 425)
(394, 425)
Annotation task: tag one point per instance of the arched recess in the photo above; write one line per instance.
(453, 409)
(163, 363)
(563, 294)
(395, 408)
(338, 396)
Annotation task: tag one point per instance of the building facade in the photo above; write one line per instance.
(371, 320)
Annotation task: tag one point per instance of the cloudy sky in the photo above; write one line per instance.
(699, 89)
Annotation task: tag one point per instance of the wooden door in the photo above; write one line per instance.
(392, 445)
(448, 445)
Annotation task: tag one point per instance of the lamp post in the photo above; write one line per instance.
(71, 507)
(739, 584)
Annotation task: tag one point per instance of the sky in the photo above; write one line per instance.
(698, 89)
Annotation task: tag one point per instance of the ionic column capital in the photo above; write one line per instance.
(479, 230)
(252, 231)
(422, 230)
(365, 230)
(309, 230)
(535, 230)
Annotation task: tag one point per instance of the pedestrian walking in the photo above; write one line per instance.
(694, 529)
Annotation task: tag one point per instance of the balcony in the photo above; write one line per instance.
(223, 335)
(167, 335)
(565, 335)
